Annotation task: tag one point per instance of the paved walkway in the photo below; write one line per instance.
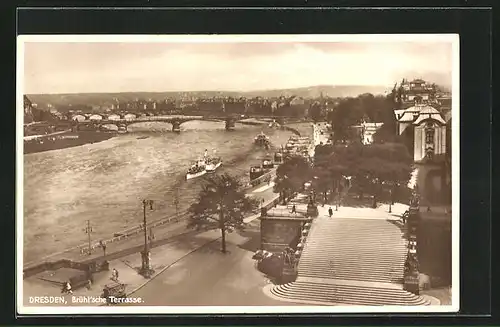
(381, 212)
(263, 188)
(209, 278)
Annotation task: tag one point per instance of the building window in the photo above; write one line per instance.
(429, 136)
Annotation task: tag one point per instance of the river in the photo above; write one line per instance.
(105, 182)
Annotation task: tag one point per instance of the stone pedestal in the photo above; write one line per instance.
(146, 269)
(312, 210)
(411, 284)
(289, 274)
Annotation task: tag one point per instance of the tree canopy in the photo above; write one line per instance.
(221, 205)
(315, 111)
(292, 174)
(364, 108)
(370, 166)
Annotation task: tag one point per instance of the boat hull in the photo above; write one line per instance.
(191, 176)
(212, 168)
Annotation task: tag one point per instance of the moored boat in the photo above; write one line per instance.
(261, 139)
(197, 169)
(256, 172)
(274, 124)
(212, 164)
(267, 163)
(278, 158)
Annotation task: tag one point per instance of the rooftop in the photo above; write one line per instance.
(425, 116)
(418, 113)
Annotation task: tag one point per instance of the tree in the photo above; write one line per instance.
(221, 205)
(315, 111)
(322, 182)
(388, 131)
(383, 166)
(372, 167)
(333, 162)
(291, 175)
(347, 113)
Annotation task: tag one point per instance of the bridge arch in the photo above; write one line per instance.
(79, 118)
(149, 126)
(96, 117)
(129, 116)
(114, 117)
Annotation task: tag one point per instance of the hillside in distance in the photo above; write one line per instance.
(339, 91)
(305, 92)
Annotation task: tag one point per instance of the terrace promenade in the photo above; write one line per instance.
(172, 243)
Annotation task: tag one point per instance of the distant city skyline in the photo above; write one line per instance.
(98, 67)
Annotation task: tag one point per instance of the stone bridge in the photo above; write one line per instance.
(123, 121)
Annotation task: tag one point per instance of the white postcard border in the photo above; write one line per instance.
(452, 38)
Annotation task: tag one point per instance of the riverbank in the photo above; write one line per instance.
(63, 140)
(105, 182)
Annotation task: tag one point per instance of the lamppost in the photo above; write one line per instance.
(176, 203)
(103, 246)
(337, 196)
(390, 201)
(88, 230)
(146, 270)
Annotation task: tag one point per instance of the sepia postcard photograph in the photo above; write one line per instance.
(214, 174)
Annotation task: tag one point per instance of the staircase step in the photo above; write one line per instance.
(366, 251)
(346, 294)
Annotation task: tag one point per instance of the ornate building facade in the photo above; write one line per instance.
(425, 131)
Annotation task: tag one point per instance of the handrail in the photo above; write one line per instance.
(83, 248)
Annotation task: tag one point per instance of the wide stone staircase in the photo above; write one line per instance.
(351, 261)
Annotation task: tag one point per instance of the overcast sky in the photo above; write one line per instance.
(156, 67)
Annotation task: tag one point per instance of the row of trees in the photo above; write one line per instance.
(351, 111)
(371, 168)
(364, 108)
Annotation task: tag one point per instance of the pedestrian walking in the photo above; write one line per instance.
(294, 209)
(89, 284)
(67, 288)
(330, 212)
(114, 275)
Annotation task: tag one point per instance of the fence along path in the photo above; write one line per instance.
(162, 221)
(122, 235)
(83, 249)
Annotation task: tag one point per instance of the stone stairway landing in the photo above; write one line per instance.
(352, 262)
